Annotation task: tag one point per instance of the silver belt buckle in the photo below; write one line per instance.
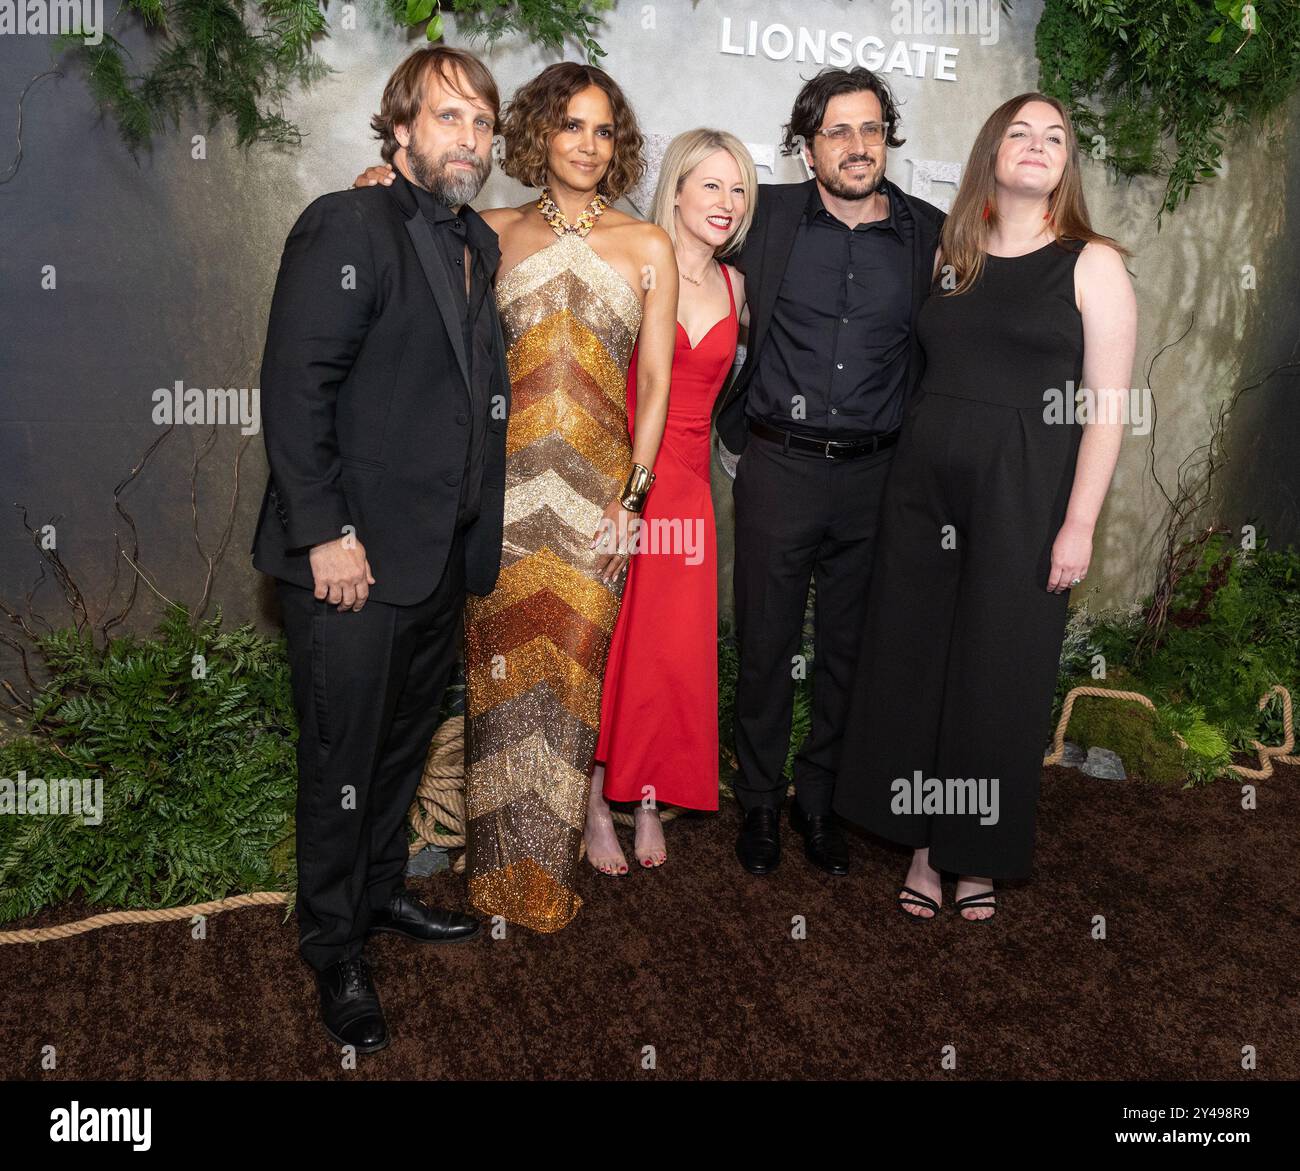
(828, 449)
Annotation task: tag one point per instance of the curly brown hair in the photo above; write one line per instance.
(537, 112)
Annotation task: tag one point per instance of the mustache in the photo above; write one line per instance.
(463, 156)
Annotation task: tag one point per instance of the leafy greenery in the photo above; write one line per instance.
(197, 759)
(213, 57)
(239, 59)
(1134, 732)
(1163, 83)
(1233, 632)
(550, 22)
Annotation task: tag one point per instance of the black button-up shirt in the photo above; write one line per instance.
(834, 363)
(451, 233)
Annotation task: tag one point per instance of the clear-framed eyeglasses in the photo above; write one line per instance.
(871, 133)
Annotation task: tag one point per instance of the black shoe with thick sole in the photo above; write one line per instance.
(759, 845)
(823, 841)
(406, 915)
(349, 1006)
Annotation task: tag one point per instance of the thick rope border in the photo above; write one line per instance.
(440, 798)
(1281, 752)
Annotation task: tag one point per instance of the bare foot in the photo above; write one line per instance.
(603, 850)
(973, 886)
(649, 846)
(923, 877)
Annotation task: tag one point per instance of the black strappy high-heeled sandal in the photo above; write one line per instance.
(969, 902)
(921, 900)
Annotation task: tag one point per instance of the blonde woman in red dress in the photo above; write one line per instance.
(658, 742)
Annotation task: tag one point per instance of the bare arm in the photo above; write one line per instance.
(654, 366)
(738, 291)
(655, 345)
(1109, 312)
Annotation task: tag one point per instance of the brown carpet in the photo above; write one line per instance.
(697, 960)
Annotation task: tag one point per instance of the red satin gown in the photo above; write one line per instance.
(659, 706)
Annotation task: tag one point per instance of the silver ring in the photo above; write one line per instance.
(1076, 581)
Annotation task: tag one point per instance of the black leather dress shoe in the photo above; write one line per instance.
(349, 1006)
(823, 842)
(759, 845)
(407, 916)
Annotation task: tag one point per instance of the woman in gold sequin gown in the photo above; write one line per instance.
(579, 284)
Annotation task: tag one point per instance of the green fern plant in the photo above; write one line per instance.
(237, 60)
(193, 735)
(1233, 631)
(1161, 85)
(550, 22)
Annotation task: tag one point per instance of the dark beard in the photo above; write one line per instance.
(451, 188)
(832, 182)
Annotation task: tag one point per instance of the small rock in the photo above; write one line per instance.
(430, 860)
(1104, 763)
(1074, 756)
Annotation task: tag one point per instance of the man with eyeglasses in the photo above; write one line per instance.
(836, 269)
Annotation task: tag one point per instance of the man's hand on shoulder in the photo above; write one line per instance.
(341, 572)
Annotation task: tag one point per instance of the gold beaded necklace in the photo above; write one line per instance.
(559, 223)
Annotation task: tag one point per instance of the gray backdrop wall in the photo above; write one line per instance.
(164, 267)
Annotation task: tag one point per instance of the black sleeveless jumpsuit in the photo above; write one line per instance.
(962, 639)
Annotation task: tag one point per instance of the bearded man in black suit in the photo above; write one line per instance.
(385, 397)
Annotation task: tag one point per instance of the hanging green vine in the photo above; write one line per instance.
(237, 61)
(1154, 88)
(549, 21)
(210, 59)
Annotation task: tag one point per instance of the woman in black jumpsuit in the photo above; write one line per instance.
(963, 634)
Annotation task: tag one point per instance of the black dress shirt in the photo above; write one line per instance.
(840, 328)
(451, 233)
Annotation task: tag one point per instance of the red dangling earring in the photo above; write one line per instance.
(987, 209)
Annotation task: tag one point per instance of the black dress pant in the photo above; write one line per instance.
(367, 688)
(799, 517)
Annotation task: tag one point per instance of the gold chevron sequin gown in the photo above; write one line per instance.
(535, 648)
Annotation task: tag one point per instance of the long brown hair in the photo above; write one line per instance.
(538, 112)
(974, 211)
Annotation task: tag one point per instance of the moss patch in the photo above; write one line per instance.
(1133, 731)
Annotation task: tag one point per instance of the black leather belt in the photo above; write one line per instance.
(830, 448)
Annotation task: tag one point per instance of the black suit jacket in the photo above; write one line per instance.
(366, 399)
(763, 260)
